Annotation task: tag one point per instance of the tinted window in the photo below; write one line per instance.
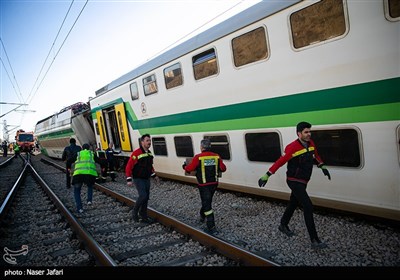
(263, 147)
(183, 146)
(339, 147)
(250, 47)
(220, 145)
(159, 146)
(205, 64)
(317, 23)
(173, 76)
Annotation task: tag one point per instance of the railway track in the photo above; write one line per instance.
(111, 238)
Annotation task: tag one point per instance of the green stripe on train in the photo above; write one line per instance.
(367, 102)
(335, 116)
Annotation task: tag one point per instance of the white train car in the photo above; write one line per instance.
(248, 81)
(53, 133)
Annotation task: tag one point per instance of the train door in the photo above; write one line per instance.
(102, 130)
(113, 128)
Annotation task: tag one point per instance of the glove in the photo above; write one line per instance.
(264, 179)
(184, 165)
(325, 171)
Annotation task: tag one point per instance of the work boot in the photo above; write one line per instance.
(285, 229)
(146, 220)
(317, 244)
(212, 230)
(135, 217)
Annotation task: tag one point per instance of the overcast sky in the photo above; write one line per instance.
(55, 53)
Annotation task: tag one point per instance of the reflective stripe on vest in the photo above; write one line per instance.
(148, 154)
(85, 164)
(303, 151)
(208, 161)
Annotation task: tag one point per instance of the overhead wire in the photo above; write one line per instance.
(20, 97)
(180, 39)
(55, 56)
(52, 46)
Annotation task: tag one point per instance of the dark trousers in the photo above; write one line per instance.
(298, 197)
(206, 196)
(111, 169)
(68, 176)
(143, 188)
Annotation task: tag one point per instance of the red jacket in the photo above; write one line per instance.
(207, 164)
(140, 165)
(300, 161)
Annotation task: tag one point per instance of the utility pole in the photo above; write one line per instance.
(19, 105)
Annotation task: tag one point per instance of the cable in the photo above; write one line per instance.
(15, 79)
(66, 37)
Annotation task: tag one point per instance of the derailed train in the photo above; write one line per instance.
(248, 81)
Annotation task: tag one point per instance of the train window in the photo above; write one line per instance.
(392, 10)
(220, 145)
(205, 64)
(263, 146)
(134, 91)
(338, 147)
(97, 129)
(173, 76)
(183, 146)
(150, 85)
(160, 146)
(319, 22)
(250, 47)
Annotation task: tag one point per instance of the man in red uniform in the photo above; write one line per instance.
(138, 171)
(207, 165)
(300, 155)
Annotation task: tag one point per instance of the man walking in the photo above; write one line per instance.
(207, 165)
(300, 155)
(138, 171)
(69, 156)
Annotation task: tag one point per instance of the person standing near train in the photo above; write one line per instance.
(69, 156)
(138, 171)
(5, 148)
(84, 172)
(300, 155)
(207, 165)
(101, 155)
(111, 163)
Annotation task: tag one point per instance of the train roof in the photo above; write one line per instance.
(76, 108)
(240, 20)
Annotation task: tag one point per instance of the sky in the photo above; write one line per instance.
(55, 53)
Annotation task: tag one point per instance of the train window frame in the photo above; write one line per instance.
(134, 97)
(155, 141)
(215, 143)
(150, 84)
(248, 33)
(259, 150)
(205, 58)
(319, 42)
(387, 9)
(324, 149)
(179, 79)
(180, 152)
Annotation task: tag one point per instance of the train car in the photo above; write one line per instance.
(25, 140)
(245, 84)
(74, 121)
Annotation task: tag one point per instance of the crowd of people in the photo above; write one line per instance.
(9, 148)
(208, 166)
